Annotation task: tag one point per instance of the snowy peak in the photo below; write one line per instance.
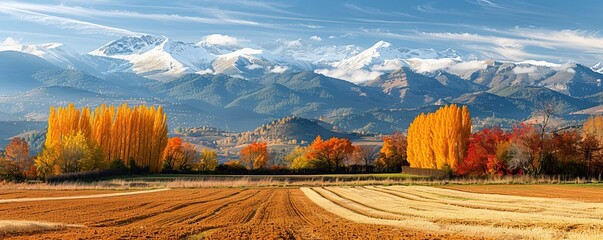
(376, 54)
(130, 45)
(380, 44)
(157, 57)
(55, 53)
(383, 57)
(382, 54)
(246, 63)
(598, 67)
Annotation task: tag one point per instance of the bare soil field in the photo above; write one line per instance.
(219, 213)
(439, 210)
(587, 193)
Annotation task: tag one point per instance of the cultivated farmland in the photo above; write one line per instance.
(321, 212)
(444, 211)
(219, 213)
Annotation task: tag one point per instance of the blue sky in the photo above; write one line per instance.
(556, 31)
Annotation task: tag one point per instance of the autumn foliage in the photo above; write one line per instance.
(593, 127)
(16, 164)
(482, 158)
(393, 152)
(255, 155)
(329, 154)
(439, 139)
(106, 133)
(178, 156)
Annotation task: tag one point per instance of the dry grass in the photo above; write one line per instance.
(281, 181)
(444, 211)
(14, 227)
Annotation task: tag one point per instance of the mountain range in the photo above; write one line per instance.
(378, 89)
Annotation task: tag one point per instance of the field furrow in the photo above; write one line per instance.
(443, 210)
(222, 213)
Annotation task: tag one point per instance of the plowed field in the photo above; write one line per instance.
(444, 211)
(197, 214)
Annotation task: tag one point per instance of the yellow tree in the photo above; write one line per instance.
(297, 158)
(439, 139)
(209, 160)
(124, 133)
(593, 127)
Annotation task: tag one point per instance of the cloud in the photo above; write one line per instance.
(346, 35)
(311, 26)
(355, 76)
(524, 70)
(375, 11)
(219, 16)
(221, 40)
(9, 43)
(66, 23)
(525, 43)
(316, 38)
(388, 65)
(279, 69)
(206, 71)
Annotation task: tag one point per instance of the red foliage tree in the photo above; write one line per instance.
(255, 155)
(482, 154)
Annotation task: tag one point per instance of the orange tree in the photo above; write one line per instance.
(255, 155)
(16, 164)
(439, 140)
(392, 155)
(329, 154)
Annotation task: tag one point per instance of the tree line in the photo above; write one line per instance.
(108, 137)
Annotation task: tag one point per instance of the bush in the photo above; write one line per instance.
(89, 176)
(117, 164)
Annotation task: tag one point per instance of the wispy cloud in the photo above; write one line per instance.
(513, 44)
(431, 9)
(311, 26)
(65, 23)
(219, 17)
(376, 11)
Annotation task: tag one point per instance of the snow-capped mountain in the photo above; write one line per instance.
(219, 81)
(157, 57)
(382, 57)
(308, 55)
(56, 53)
(243, 63)
(217, 49)
(597, 67)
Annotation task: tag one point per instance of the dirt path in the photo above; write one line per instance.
(202, 213)
(36, 193)
(106, 195)
(447, 211)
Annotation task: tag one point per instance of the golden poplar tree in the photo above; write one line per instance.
(593, 127)
(123, 133)
(439, 139)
